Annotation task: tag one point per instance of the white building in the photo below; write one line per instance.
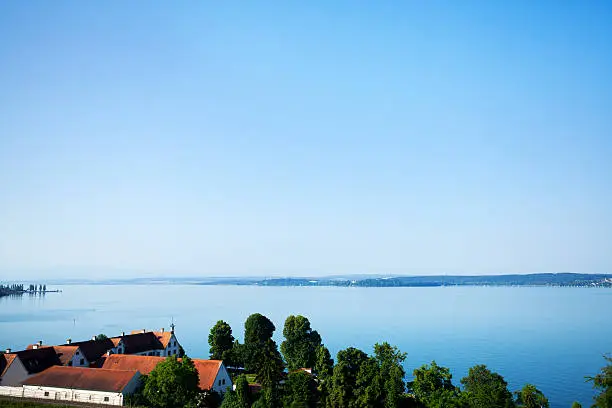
(77, 384)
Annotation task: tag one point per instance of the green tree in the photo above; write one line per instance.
(344, 378)
(258, 329)
(603, 383)
(230, 400)
(242, 391)
(221, 341)
(269, 372)
(531, 397)
(432, 387)
(576, 404)
(172, 383)
(391, 372)
(101, 336)
(324, 364)
(486, 389)
(300, 390)
(300, 346)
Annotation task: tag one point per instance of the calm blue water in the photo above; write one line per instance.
(551, 337)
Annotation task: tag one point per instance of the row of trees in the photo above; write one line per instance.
(19, 288)
(356, 379)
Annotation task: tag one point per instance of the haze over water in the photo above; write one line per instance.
(551, 337)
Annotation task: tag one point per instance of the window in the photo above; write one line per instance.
(46, 393)
(157, 354)
(105, 399)
(219, 382)
(82, 361)
(224, 381)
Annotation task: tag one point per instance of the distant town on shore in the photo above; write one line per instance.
(536, 279)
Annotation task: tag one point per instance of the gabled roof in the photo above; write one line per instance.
(163, 338)
(65, 353)
(207, 369)
(139, 342)
(93, 349)
(5, 362)
(144, 364)
(96, 379)
(37, 360)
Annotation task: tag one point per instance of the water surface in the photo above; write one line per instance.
(551, 337)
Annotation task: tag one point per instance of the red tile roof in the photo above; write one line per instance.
(207, 369)
(139, 342)
(96, 379)
(65, 353)
(5, 362)
(163, 338)
(37, 360)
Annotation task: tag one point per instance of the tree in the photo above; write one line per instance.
(230, 400)
(242, 391)
(344, 378)
(300, 390)
(258, 329)
(300, 346)
(101, 336)
(172, 383)
(269, 372)
(486, 389)
(603, 383)
(576, 404)
(324, 364)
(531, 397)
(432, 386)
(221, 341)
(391, 372)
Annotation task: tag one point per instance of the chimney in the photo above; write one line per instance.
(68, 341)
(162, 329)
(93, 337)
(35, 346)
(122, 334)
(8, 350)
(39, 342)
(144, 330)
(108, 353)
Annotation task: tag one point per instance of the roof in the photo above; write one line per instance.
(65, 353)
(163, 338)
(96, 379)
(5, 362)
(93, 349)
(139, 342)
(144, 364)
(207, 369)
(37, 360)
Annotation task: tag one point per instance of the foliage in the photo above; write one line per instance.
(603, 383)
(531, 397)
(101, 336)
(391, 373)
(432, 387)
(576, 404)
(172, 383)
(344, 379)
(486, 389)
(242, 391)
(324, 364)
(258, 329)
(300, 390)
(221, 341)
(300, 346)
(230, 400)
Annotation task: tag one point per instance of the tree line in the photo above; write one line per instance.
(301, 373)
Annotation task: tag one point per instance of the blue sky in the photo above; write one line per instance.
(304, 138)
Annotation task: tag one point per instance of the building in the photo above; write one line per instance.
(18, 366)
(70, 355)
(212, 373)
(78, 384)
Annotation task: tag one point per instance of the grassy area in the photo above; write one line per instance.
(27, 404)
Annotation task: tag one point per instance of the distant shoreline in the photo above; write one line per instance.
(531, 280)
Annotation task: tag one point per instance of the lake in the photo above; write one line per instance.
(551, 337)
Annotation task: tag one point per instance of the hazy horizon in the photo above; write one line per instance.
(243, 139)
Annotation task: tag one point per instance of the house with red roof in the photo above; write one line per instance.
(212, 373)
(84, 385)
(15, 367)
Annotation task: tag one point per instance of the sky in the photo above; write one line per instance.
(286, 138)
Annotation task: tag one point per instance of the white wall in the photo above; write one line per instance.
(11, 391)
(65, 394)
(76, 359)
(15, 374)
(222, 381)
